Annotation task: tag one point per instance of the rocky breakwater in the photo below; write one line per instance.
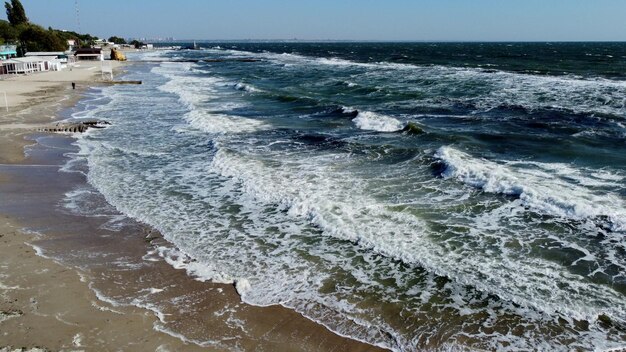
(75, 127)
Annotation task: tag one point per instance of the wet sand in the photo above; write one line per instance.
(98, 282)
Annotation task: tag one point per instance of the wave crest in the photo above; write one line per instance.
(367, 120)
(548, 188)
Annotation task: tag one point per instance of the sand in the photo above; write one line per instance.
(19, 88)
(32, 101)
(46, 305)
(43, 303)
(68, 283)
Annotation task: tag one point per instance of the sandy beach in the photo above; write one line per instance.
(69, 283)
(44, 303)
(32, 101)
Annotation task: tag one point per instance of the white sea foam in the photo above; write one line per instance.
(358, 219)
(246, 87)
(312, 193)
(77, 340)
(4, 316)
(242, 286)
(156, 55)
(367, 120)
(201, 271)
(553, 189)
(245, 213)
(196, 91)
(221, 123)
(191, 89)
(341, 62)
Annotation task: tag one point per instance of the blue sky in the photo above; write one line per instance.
(463, 20)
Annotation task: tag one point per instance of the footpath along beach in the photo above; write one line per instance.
(69, 282)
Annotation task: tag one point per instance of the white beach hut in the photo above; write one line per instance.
(30, 64)
(13, 66)
(37, 64)
(54, 61)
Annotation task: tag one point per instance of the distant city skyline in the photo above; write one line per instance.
(393, 20)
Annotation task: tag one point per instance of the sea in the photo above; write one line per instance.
(414, 196)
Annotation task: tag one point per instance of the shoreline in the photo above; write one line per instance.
(88, 273)
(45, 303)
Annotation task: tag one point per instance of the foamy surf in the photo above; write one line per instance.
(553, 189)
(367, 120)
(246, 87)
(296, 206)
(194, 91)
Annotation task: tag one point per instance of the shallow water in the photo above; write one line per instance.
(407, 195)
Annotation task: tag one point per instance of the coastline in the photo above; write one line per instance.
(60, 279)
(46, 304)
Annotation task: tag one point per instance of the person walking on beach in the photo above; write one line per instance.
(73, 85)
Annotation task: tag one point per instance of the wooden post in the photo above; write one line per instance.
(6, 102)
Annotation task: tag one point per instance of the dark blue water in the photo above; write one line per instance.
(414, 196)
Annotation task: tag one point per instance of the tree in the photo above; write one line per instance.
(82, 40)
(8, 33)
(35, 38)
(117, 40)
(31, 37)
(15, 12)
(137, 44)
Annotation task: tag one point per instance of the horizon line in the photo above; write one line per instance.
(378, 40)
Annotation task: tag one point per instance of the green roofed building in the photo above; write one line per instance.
(8, 51)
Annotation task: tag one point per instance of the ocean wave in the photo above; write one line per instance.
(192, 89)
(286, 193)
(221, 123)
(482, 89)
(156, 55)
(246, 87)
(345, 244)
(553, 189)
(201, 271)
(371, 121)
(196, 92)
(353, 218)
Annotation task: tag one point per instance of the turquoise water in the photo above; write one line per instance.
(408, 195)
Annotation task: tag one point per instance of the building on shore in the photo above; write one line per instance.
(50, 55)
(8, 51)
(94, 54)
(64, 58)
(24, 65)
(30, 64)
(71, 43)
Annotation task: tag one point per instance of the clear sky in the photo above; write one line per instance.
(463, 20)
